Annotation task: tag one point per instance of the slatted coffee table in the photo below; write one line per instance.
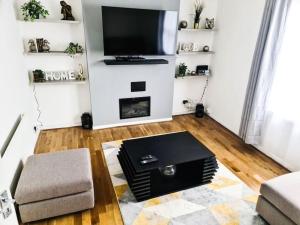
(183, 162)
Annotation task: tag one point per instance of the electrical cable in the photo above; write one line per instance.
(204, 90)
(38, 109)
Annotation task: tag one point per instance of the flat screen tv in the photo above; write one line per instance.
(136, 32)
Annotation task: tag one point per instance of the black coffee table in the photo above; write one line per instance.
(183, 162)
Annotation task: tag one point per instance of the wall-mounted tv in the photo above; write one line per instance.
(136, 32)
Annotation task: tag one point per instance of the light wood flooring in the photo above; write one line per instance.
(243, 160)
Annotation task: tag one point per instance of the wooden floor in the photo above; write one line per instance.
(245, 161)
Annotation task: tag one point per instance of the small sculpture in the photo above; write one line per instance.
(66, 10)
(46, 47)
(32, 46)
(210, 23)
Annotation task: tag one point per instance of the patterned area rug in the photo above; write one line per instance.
(226, 201)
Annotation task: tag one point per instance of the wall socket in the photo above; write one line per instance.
(6, 204)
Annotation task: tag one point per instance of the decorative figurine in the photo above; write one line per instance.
(32, 46)
(198, 10)
(183, 24)
(66, 10)
(206, 48)
(46, 47)
(210, 23)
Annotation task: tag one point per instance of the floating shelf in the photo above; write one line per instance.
(51, 53)
(197, 30)
(60, 82)
(52, 21)
(194, 53)
(190, 76)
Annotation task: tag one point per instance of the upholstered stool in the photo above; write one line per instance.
(55, 184)
(279, 202)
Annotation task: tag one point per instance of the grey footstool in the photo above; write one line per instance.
(279, 202)
(55, 184)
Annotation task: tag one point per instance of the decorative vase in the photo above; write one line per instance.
(183, 24)
(197, 19)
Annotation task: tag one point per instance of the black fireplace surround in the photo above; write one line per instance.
(134, 107)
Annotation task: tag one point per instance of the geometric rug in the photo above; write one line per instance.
(225, 201)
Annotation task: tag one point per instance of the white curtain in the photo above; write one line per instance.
(263, 69)
(281, 126)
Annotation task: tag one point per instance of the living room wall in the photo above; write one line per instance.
(239, 23)
(16, 99)
(191, 88)
(61, 104)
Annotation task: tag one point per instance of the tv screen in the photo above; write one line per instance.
(128, 31)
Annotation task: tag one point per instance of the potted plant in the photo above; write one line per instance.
(74, 49)
(182, 69)
(33, 10)
(198, 10)
(38, 76)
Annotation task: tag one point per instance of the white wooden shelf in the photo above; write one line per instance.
(196, 30)
(191, 76)
(60, 82)
(51, 21)
(51, 53)
(194, 53)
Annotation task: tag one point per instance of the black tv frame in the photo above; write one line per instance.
(127, 57)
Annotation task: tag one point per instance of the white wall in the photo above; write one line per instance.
(61, 104)
(238, 23)
(16, 98)
(192, 87)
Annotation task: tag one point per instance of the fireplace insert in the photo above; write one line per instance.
(134, 107)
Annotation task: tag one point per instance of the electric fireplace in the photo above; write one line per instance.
(134, 107)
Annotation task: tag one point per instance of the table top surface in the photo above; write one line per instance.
(170, 149)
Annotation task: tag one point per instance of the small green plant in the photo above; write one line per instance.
(39, 76)
(33, 9)
(182, 69)
(73, 49)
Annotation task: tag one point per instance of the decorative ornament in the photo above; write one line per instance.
(198, 10)
(80, 75)
(206, 48)
(183, 24)
(209, 23)
(66, 10)
(32, 46)
(46, 47)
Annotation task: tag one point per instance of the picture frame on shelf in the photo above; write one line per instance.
(186, 47)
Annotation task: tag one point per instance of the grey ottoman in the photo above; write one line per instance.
(279, 202)
(55, 184)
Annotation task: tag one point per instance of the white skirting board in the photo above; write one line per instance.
(58, 126)
(131, 123)
(183, 113)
